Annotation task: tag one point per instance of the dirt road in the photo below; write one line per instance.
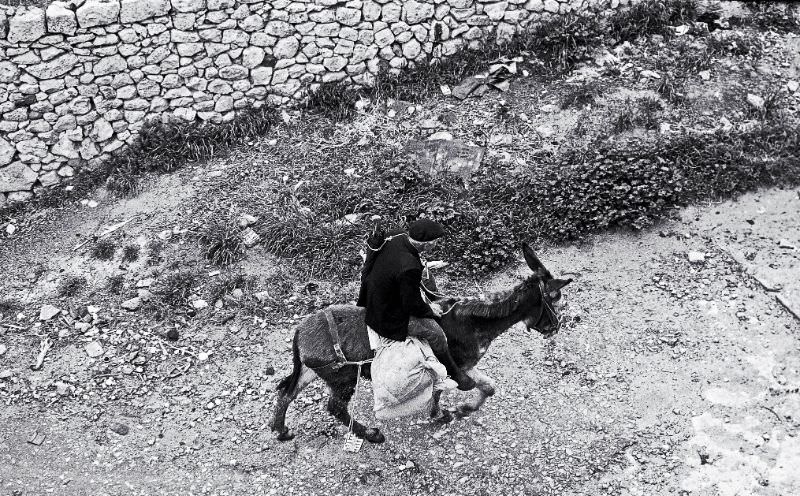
(680, 377)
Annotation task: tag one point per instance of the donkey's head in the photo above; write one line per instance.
(545, 313)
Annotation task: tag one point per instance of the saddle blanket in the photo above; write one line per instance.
(404, 376)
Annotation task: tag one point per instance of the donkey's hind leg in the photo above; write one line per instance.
(341, 392)
(285, 398)
(485, 385)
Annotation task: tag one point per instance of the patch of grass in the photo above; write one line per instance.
(774, 102)
(579, 96)
(672, 90)
(648, 109)
(71, 286)
(336, 101)
(155, 247)
(115, 284)
(9, 307)
(735, 44)
(782, 17)
(650, 17)
(174, 289)
(130, 253)
(224, 286)
(625, 119)
(222, 241)
(103, 249)
(640, 113)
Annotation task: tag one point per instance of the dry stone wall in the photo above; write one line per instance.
(78, 79)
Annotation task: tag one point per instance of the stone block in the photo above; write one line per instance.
(60, 19)
(415, 12)
(188, 5)
(98, 13)
(110, 65)
(9, 72)
(139, 10)
(17, 177)
(7, 152)
(286, 48)
(27, 24)
(53, 68)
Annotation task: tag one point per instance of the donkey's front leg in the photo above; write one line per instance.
(485, 386)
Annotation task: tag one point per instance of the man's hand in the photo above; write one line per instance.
(437, 309)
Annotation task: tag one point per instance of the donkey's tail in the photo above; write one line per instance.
(289, 382)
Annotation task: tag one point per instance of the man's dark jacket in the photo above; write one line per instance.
(390, 289)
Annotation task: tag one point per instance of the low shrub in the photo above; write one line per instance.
(71, 286)
(115, 284)
(103, 249)
(130, 253)
(223, 241)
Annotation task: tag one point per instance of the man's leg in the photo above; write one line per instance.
(430, 331)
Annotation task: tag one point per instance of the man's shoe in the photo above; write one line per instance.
(465, 382)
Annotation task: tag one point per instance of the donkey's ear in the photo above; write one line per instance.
(557, 284)
(531, 259)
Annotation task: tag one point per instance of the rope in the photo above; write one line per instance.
(385, 240)
(354, 400)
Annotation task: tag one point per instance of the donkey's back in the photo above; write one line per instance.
(316, 333)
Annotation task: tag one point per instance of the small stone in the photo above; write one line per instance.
(250, 237)
(3, 349)
(793, 86)
(697, 257)
(784, 243)
(119, 428)
(263, 296)
(62, 388)
(93, 349)
(47, 312)
(705, 75)
(246, 220)
(755, 100)
(202, 356)
(132, 304)
(199, 304)
(5, 374)
(441, 135)
(145, 283)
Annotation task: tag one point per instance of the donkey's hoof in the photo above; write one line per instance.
(374, 436)
(445, 418)
(285, 435)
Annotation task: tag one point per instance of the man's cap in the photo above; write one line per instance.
(425, 230)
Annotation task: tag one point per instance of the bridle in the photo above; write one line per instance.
(546, 309)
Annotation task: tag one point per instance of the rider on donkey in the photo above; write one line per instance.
(390, 291)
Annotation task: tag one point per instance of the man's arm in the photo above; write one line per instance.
(413, 303)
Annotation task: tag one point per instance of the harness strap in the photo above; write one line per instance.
(333, 329)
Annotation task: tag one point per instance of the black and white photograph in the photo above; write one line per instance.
(399, 248)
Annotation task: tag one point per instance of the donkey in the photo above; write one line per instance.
(470, 325)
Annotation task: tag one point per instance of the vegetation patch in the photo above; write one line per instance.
(71, 286)
(103, 249)
(563, 197)
(115, 284)
(9, 307)
(130, 253)
(223, 242)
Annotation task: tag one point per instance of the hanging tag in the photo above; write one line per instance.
(352, 443)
